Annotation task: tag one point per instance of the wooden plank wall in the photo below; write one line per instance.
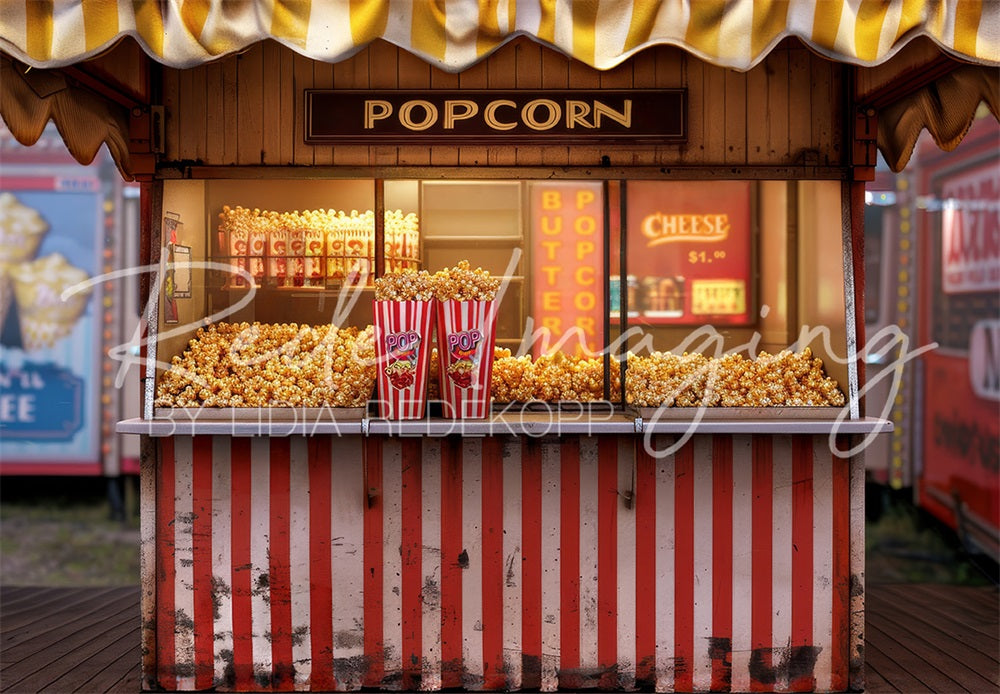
(246, 110)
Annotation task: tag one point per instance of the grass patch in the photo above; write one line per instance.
(62, 534)
(906, 545)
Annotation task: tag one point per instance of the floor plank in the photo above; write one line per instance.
(939, 651)
(896, 676)
(879, 669)
(113, 678)
(898, 650)
(66, 630)
(58, 604)
(93, 661)
(37, 670)
(83, 639)
(21, 600)
(939, 624)
(971, 608)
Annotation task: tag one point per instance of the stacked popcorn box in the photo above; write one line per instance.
(402, 241)
(467, 313)
(37, 284)
(256, 248)
(404, 321)
(314, 247)
(359, 246)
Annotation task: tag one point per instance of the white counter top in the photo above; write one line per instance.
(516, 424)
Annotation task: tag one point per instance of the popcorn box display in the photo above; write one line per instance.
(315, 238)
(403, 332)
(335, 252)
(277, 249)
(296, 257)
(239, 240)
(466, 335)
(258, 245)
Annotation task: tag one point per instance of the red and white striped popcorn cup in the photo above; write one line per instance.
(465, 336)
(403, 332)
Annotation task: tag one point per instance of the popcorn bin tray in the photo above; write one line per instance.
(403, 331)
(309, 415)
(738, 413)
(466, 335)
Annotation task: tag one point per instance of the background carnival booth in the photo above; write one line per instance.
(652, 174)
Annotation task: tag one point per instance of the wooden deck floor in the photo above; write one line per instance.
(931, 638)
(69, 640)
(919, 638)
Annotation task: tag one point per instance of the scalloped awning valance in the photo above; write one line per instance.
(454, 34)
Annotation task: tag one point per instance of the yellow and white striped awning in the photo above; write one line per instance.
(454, 34)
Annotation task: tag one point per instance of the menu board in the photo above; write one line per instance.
(689, 252)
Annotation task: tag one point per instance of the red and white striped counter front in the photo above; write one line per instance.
(322, 562)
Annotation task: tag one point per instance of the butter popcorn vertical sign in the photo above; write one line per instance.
(567, 264)
(40, 398)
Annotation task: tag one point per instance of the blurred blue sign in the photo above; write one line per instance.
(40, 402)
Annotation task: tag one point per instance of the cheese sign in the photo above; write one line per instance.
(482, 116)
(689, 252)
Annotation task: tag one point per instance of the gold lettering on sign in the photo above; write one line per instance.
(530, 108)
(576, 113)
(430, 115)
(538, 114)
(664, 228)
(490, 114)
(376, 109)
(451, 114)
(623, 117)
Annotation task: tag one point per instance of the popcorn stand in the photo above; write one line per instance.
(510, 345)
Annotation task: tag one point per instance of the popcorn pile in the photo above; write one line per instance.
(551, 378)
(272, 365)
(461, 283)
(794, 379)
(405, 286)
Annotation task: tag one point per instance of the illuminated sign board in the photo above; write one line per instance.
(689, 252)
(567, 258)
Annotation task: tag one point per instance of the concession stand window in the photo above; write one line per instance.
(711, 266)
